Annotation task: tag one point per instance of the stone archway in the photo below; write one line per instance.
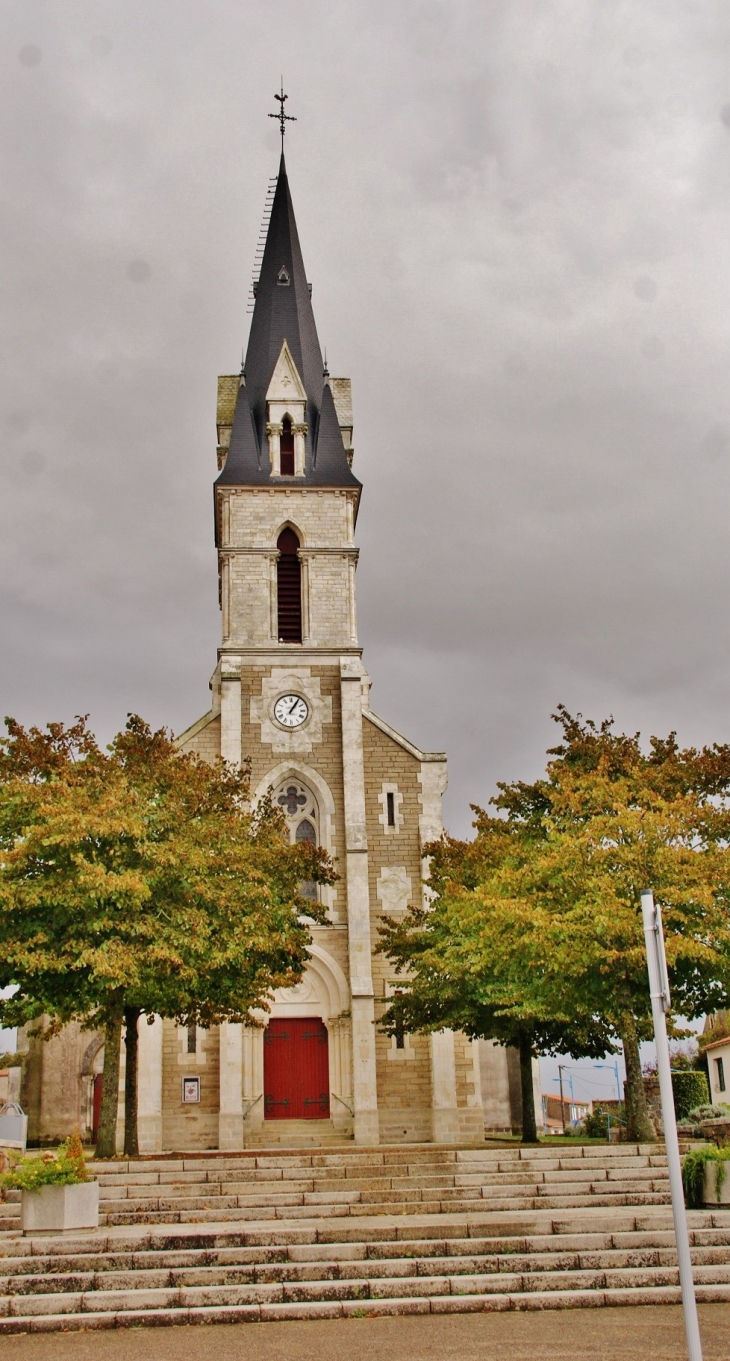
(323, 993)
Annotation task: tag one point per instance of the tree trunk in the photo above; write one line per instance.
(639, 1128)
(106, 1142)
(131, 1044)
(529, 1126)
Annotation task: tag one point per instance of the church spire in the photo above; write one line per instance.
(283, 313)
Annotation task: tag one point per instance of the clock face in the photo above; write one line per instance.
(291, 711)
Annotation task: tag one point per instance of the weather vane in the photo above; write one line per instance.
(283, 118)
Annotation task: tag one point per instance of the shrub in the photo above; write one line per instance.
(596, 1125)
(66, 1167)
(693, 1173)
(690, 1090)
(721, 1112)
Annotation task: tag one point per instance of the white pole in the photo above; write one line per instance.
(659, 990)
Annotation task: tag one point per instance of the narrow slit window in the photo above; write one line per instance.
(286, 445)
(305, 832)
(289, 588)
(390, 805)
(192, 1039)
(720, 1074)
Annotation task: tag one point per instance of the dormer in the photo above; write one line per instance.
(286, 428)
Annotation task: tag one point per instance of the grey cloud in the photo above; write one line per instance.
(514, 218)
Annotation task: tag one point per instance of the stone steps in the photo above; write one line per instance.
(258, 1213)
(318, 1233)
(302, 1183)
(441, 1264)
(295, 1134)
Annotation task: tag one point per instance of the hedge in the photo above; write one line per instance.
(690, 1090)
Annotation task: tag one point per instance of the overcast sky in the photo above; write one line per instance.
(515, 220)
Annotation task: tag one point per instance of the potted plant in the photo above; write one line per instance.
(57, 1194)
(703, 1174)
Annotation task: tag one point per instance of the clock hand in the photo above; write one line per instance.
(294, 706)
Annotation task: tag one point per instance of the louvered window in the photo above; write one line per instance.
(286, 445)
(289, 587)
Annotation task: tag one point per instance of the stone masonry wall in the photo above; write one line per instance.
(189, 1127)
(404, 1076)
(251, 520)
(207, 742)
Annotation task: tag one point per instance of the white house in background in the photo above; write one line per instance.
(718, 1064)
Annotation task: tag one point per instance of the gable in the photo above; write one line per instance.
(286, 385)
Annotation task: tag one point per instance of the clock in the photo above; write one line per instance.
(291, 711)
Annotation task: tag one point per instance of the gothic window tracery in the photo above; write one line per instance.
(301, 811)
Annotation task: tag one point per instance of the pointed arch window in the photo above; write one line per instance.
(289, 588)
(299, 807)
(286, 448)
(306, 832)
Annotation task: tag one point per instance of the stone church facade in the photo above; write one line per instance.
(290, 694)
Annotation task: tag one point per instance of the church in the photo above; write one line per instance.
(290, 695)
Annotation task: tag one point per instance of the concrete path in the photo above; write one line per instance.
(586, 1335)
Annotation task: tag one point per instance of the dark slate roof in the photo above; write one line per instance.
(284, 312)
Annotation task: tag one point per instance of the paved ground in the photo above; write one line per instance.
(636, 1334)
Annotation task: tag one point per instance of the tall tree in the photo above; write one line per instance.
(139, 881)
(465, 966)
(561, 872)
(608, 820)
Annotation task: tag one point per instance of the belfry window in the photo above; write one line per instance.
(289, 588)
(286, 446)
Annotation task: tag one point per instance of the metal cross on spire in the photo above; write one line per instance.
(283, 118)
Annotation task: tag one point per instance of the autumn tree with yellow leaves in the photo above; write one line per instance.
(139, 881)
(536, 927)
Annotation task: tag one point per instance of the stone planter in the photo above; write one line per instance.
(711, 1185)
(717, 1131)
(60, 1209)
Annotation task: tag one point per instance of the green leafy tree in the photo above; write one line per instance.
(561, 871)
(139, 881)
(608, 820)
(465, 966)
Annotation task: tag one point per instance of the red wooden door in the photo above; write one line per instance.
(296, 1070)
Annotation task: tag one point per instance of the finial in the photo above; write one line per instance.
(326, 372)
(283, 118)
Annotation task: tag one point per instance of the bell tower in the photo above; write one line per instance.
(286, 496)
(291, 695)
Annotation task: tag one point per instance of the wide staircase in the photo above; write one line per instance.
(323, 1234)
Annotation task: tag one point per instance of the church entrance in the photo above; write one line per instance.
(296, 1069)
